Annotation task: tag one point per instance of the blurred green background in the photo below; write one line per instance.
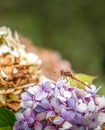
(75, 28)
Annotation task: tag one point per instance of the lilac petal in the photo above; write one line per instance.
(92, 125)
(66, 125)
(27, 112)
(58, 120)
(45, 104)
(59, 83)
(28, 103)
(35, 104)
(74, 95)
(101, 118)
(22, 104)
(92, 89)
(29, 115)
(34, 90)
(37, 126)
(19, 116)
(23, 125)
(100, 101)
(50, 114)
(62, 82)
(78, 118)
(41, 116)
(48, 85)
(58, 109)
(64, 113)
(62, 90)
(86, 121)
(67, 94)
(79, 101)
(71, 115)
(82, 128)
(93, 116)
(91, 105)
(28, 128)
(80, 92)
(45, 100)
(67, 115)
(57, 92)
(54, 102)
(50, 128)
(71, 103)
(39, 108)
(61, 98)
(26, 97)
(30, 120)
(41, 95)
(82, 107)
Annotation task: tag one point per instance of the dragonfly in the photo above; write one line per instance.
(72, 76)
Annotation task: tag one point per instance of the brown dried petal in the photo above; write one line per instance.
(13, 97)
(18, 82)
(7, 91)
(3, 99)
(13, 105)
(2, 105)
(8, 70)
(26, 86)
(17, 60)
(2, 82)
(15, 71)
(7, 61)
(18, 91)
(3, 74)
(23, 81)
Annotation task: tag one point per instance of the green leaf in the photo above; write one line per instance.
(7, 119)
(87, 79)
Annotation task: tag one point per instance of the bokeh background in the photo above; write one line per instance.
(75, 28)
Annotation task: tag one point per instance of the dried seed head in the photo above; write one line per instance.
(18, 69)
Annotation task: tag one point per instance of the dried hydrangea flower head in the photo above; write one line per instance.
(18, 69)
(59, 106)
(53, 62)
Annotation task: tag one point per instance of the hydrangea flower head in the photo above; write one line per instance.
(18, 69)
(59, 106)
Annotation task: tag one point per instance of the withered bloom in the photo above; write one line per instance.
(51, 60)
(18, 69)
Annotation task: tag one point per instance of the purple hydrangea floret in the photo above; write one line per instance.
(59, 106)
